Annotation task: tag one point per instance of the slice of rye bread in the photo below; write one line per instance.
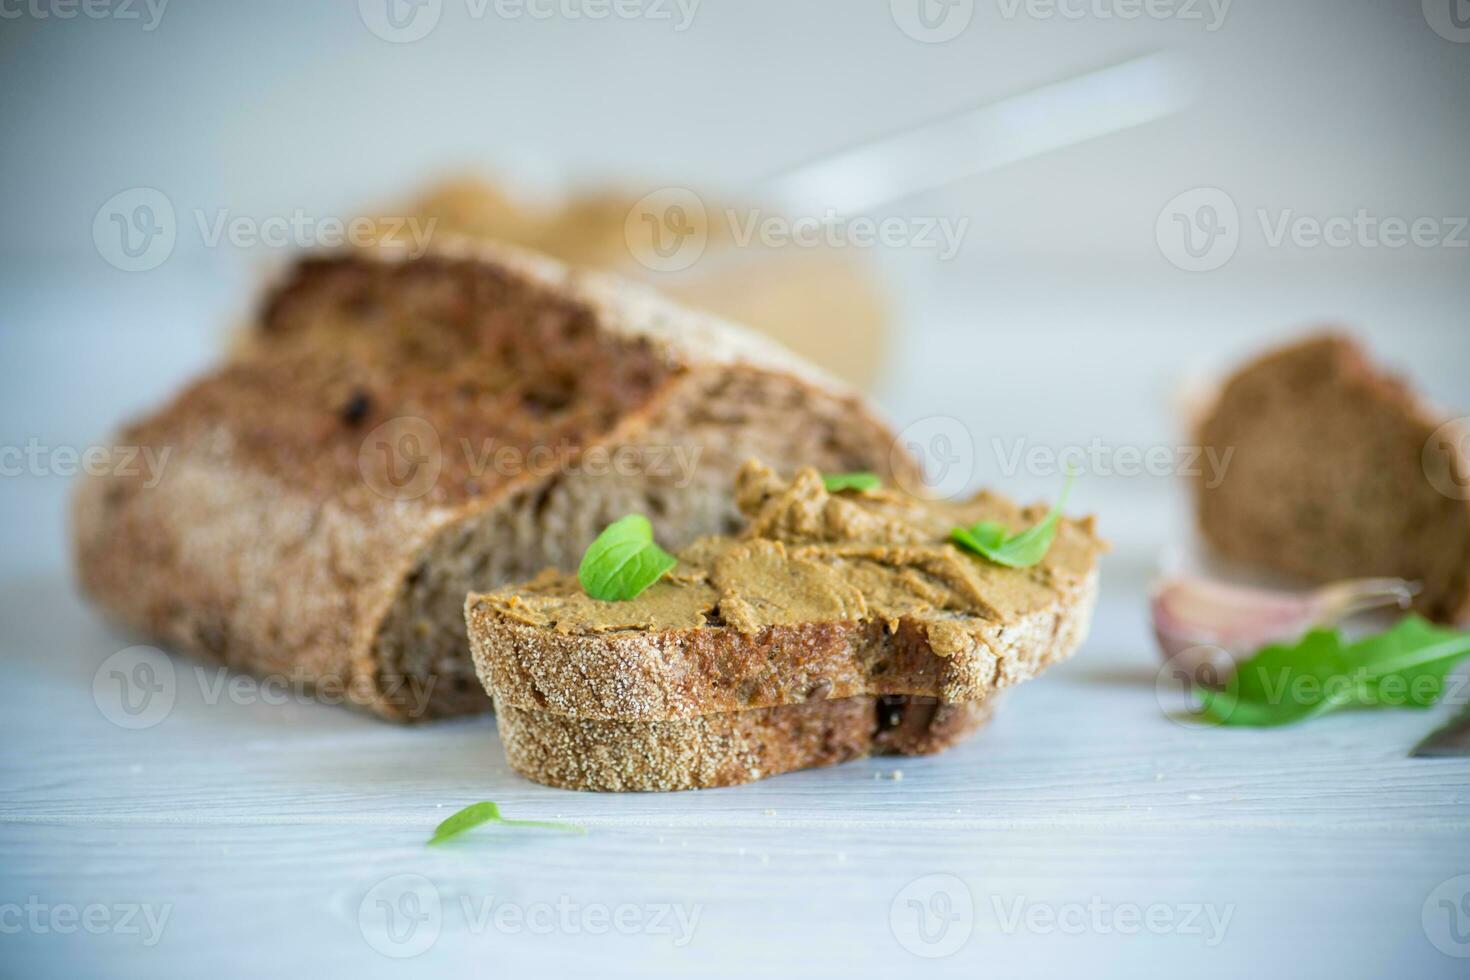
(898, 610)
(1337, 470)
(729, 748)
(400, 431)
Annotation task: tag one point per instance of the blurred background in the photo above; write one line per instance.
(1064, 309)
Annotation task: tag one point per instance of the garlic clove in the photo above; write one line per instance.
(1193, 612)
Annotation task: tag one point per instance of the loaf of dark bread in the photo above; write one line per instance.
(1336, 470)
(398, 432)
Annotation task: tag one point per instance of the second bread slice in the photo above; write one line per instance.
(729, 748)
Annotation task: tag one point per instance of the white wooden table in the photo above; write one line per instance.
(267, 834)
(1082, 833)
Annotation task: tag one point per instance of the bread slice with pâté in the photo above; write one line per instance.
(824, 595)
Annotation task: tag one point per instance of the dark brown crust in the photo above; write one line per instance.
(265, 547)
(725, 749)
(1327, 478)
(478, 350)
(644, 675)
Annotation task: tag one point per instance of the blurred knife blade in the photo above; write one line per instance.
(984, 138)
(1450, 741)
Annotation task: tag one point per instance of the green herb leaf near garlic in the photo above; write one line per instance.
(1402, 667)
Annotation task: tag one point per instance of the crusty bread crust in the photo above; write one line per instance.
(264, 547)
(1333, 472)
(645, 676)
(687, 337)
(725, 749)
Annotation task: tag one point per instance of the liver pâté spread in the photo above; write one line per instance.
(810, 555)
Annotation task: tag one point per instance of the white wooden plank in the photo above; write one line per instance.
(251, 820)
(1088, 746)
(246, 899)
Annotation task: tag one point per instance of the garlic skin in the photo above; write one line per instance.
(1201, 617)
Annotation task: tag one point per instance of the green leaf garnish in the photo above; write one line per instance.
(1402, 667)
(624, 560)
(485, 812)
(1020, 550)
(863, 482)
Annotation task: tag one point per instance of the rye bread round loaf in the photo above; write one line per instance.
(1336, 469)
(278, 541)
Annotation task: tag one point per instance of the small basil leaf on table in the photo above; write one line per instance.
(1020, 550)
(624, 560)
(486, 812)
(863, 482)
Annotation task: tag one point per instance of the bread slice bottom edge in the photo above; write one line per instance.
(728, 748)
